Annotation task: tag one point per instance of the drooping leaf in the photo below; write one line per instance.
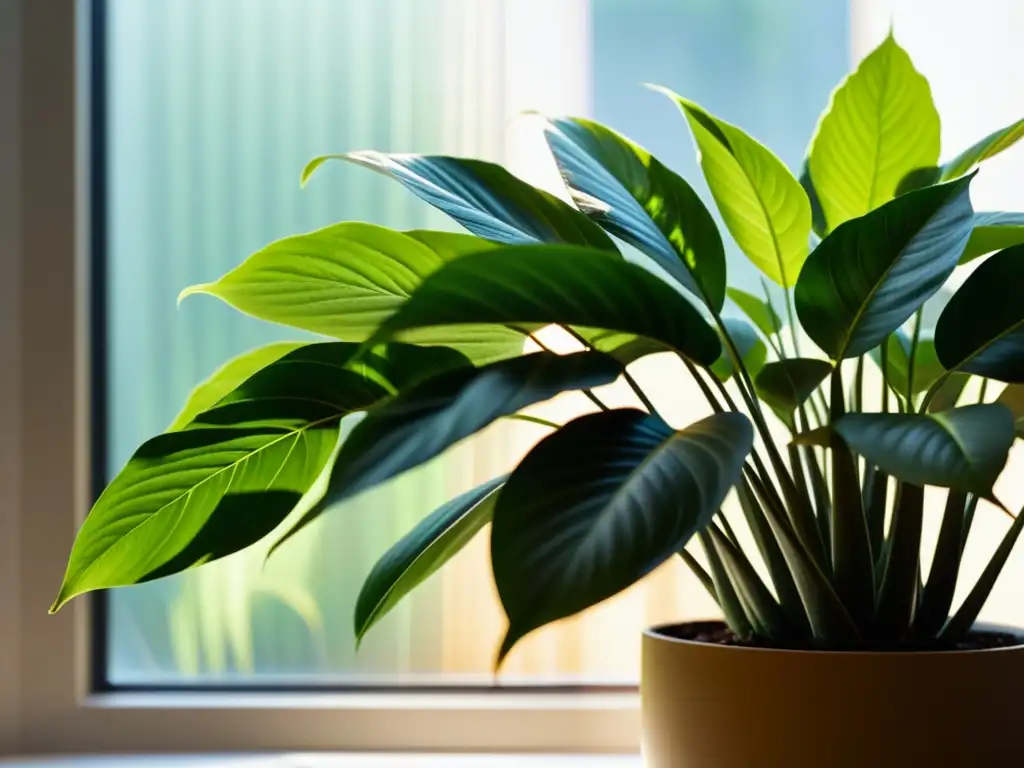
(963, 448)
(927, 367)
(424, 421)
(631, 194)
(423, 551)
(202, 493)
(601, 503)
(759, 312)
(993, 230)
(565, 285)
(1012, 397)
(991, 145)
(483, 197)
(762, 203)
(344, 280)
(872, 273)
(624, 347)
(880, 125)
(752, 350)
(818, 224)
(981, 330)
(784, 385)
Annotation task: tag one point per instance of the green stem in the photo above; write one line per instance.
(533, 420)
(588, 392)
(639, 392)
(884, 349)
(983, 390)
(911, 361)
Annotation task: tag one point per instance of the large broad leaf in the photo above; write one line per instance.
(632, 195)
(880, 125)
(566, 285)
(927, 367)
(759, 312)
(991, 145)
(421, 552)
(424, 421)
(762, 203)
(483, 197)
(601, 503)
(344, 280)
(993, 230)
(963, 448)
(784, 385)
(872, 273)
(981, 330)
(752, 350)
(192, 496)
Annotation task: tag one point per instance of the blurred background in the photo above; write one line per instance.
(213, 108)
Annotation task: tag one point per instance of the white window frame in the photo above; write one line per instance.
(46, 700)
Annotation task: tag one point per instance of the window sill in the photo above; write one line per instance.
(350, 760)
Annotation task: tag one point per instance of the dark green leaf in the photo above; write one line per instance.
(759, 312)
(784, 385)
(927, 367)
(875, 492)
(566, 285)
(752, 350)
(818, 223)
(948, 393)
(925, 176)
(964, 448)
(1012, 397)
(421, 552)
(993, 230)
(424, 421)
(736, 615)
(981, 330)
(483, 197)
(937, 596)
(346, 279)
(991, 145)
(628, 192)
(899, 584)
(872, 273)
(601, 503)
(762, 204)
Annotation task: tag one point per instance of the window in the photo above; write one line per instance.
(213, 107)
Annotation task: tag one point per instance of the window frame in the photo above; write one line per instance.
(49, 287)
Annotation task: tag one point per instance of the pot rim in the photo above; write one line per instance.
(655, 633)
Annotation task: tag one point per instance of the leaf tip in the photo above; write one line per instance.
(193, 290)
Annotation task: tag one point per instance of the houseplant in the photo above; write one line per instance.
(429, 329)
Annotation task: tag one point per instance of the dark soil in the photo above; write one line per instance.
(717, 633)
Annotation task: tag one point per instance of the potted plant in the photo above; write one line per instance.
(838, 648)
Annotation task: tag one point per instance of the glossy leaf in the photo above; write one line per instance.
(927, 367)
(632, 195)
(759, 312)
(872, 273)
(880, 125)
(344, 280)
(990, 146)
(948, 393)
(761, 202)
(564, 285)
(601, 503)
(784, 385)
(421, 423)
(964, 448)
(749, 345)
(993, 230)
(483, 197)
(423, 551)
(981, 330)
(196, 495)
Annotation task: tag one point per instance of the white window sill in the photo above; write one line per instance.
(352, 760)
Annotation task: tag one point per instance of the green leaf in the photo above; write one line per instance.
(762, 203)
(875, 493)
(993, 230)
(1012, 397)
(483, 197)
(818, 224)
(736, 616)
(192, 496)
(759, 312)
(784, 385)
(421, 552)
(937, 596)
(948, 393)
(872, 273)
(963, 448)
(990, 146)
(226, 378)
(344, 280)
(896, 596)
(880, 125)
(601, 503)
(981, 330)
(632, 195)
(752, 350)
(927, 368)
(566, 285)
(424, 421)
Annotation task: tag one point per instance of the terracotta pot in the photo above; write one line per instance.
(715, 706)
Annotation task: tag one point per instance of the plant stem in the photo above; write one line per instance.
(639, 392)
(716, 406)
(534, 420)
(588, 392)
(983, 390)
(885, 375)
(911, 361)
